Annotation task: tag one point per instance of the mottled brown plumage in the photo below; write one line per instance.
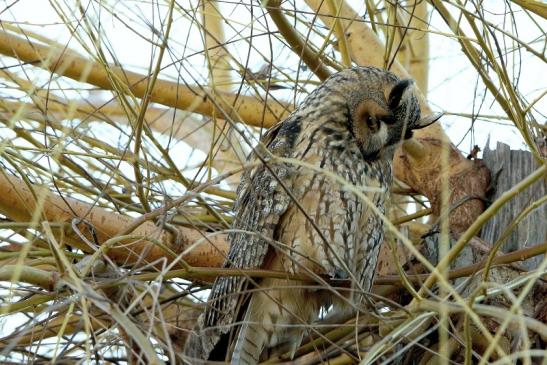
(294, 218)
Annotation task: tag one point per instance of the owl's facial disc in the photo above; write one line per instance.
(382, 119)
(370, 127)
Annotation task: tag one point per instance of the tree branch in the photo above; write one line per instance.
(197, 99)
(24, 203)
(296, 42)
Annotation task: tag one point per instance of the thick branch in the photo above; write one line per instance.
(197, 99)
(20, 203)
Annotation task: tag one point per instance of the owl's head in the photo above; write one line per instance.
(384, 110)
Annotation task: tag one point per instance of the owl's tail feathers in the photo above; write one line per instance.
(193, 350)
(267, 324)
(251, 340)
(294, 345)
(200, 343)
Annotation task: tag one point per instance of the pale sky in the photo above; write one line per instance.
(452, 80)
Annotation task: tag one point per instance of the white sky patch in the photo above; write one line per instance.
(453, 82)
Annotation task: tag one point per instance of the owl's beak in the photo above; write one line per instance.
(430, 119)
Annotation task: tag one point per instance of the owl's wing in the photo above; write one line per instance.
(260, 203)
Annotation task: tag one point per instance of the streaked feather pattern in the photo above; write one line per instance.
(349, 126)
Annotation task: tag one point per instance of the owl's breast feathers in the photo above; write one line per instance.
(332, 229)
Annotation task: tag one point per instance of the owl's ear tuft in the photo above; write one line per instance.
(396, 94)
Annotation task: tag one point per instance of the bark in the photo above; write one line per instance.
(510, 167)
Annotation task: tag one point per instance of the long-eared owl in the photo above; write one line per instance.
(297, 211)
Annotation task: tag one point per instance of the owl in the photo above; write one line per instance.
(298, 211)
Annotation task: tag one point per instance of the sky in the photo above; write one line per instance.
(453, 82)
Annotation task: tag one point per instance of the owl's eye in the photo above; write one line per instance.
(373, 123)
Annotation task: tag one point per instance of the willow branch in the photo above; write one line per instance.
(418, 42)
(335, 7)
(42, 278)
(18, 201)
(225, 149)
(535, 6)
(196, 99)
(296, 42)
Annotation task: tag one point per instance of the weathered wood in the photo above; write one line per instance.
(511, 166)
(508, 168)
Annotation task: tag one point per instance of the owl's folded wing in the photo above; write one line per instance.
(262, 200)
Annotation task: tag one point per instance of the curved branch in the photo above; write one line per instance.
(197, 99)
(296, 43)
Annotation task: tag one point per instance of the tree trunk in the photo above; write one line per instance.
(508, 168)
